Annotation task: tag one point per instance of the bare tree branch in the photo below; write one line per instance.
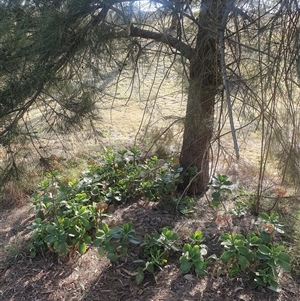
(186, 50)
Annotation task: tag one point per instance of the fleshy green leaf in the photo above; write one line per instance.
(264, 250)
(104, 227)
(262, 256)
(274, 286)
(86, 223)
(284, 257)
(139, 278)
(97, 242)
(72, 232)
(279, 248)
(259, 281)
(225, 236)
(271, 263)
(50, 239)
(185, 265)
(112, 256)
(40, 214)
(244, 263)
(101, 251)
(200, 267)
(284, 265)
(82, 248)
(234, 270)
(150, 267)
(216, 202)
(134, 241)
(61, 247)
(216, 195)
(87, 239)
(266, 237)
(227, 190)
(226, 256)
(67, 223)
(264, 216)
(110, 247)
(50, 229)
(123, 250)
(95, 191)
(244, 250)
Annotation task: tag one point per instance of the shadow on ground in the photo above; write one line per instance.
(90, 278)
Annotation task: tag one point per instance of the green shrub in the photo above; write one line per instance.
(156, 251)
(193, 255)
(257, 253)
(220, 185)
(114, 242)
(68, 214)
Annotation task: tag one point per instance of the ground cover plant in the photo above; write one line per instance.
(68, 214)
(72, 217)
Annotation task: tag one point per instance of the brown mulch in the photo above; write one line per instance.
(91, 278)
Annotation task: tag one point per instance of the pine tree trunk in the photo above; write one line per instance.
(199, 121)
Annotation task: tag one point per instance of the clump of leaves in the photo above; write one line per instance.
(156, 251)
(185, 205)
(238, 254)
(257, 254)
(193, 255)
(124, 175)
(114, 242)
(271, 257)
(240, 209)
(117, 176)
(270, 223)
(221, 186)
(68, 214)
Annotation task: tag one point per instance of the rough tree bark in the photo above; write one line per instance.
(205, 77)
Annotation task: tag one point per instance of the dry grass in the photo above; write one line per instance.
(12, 195)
